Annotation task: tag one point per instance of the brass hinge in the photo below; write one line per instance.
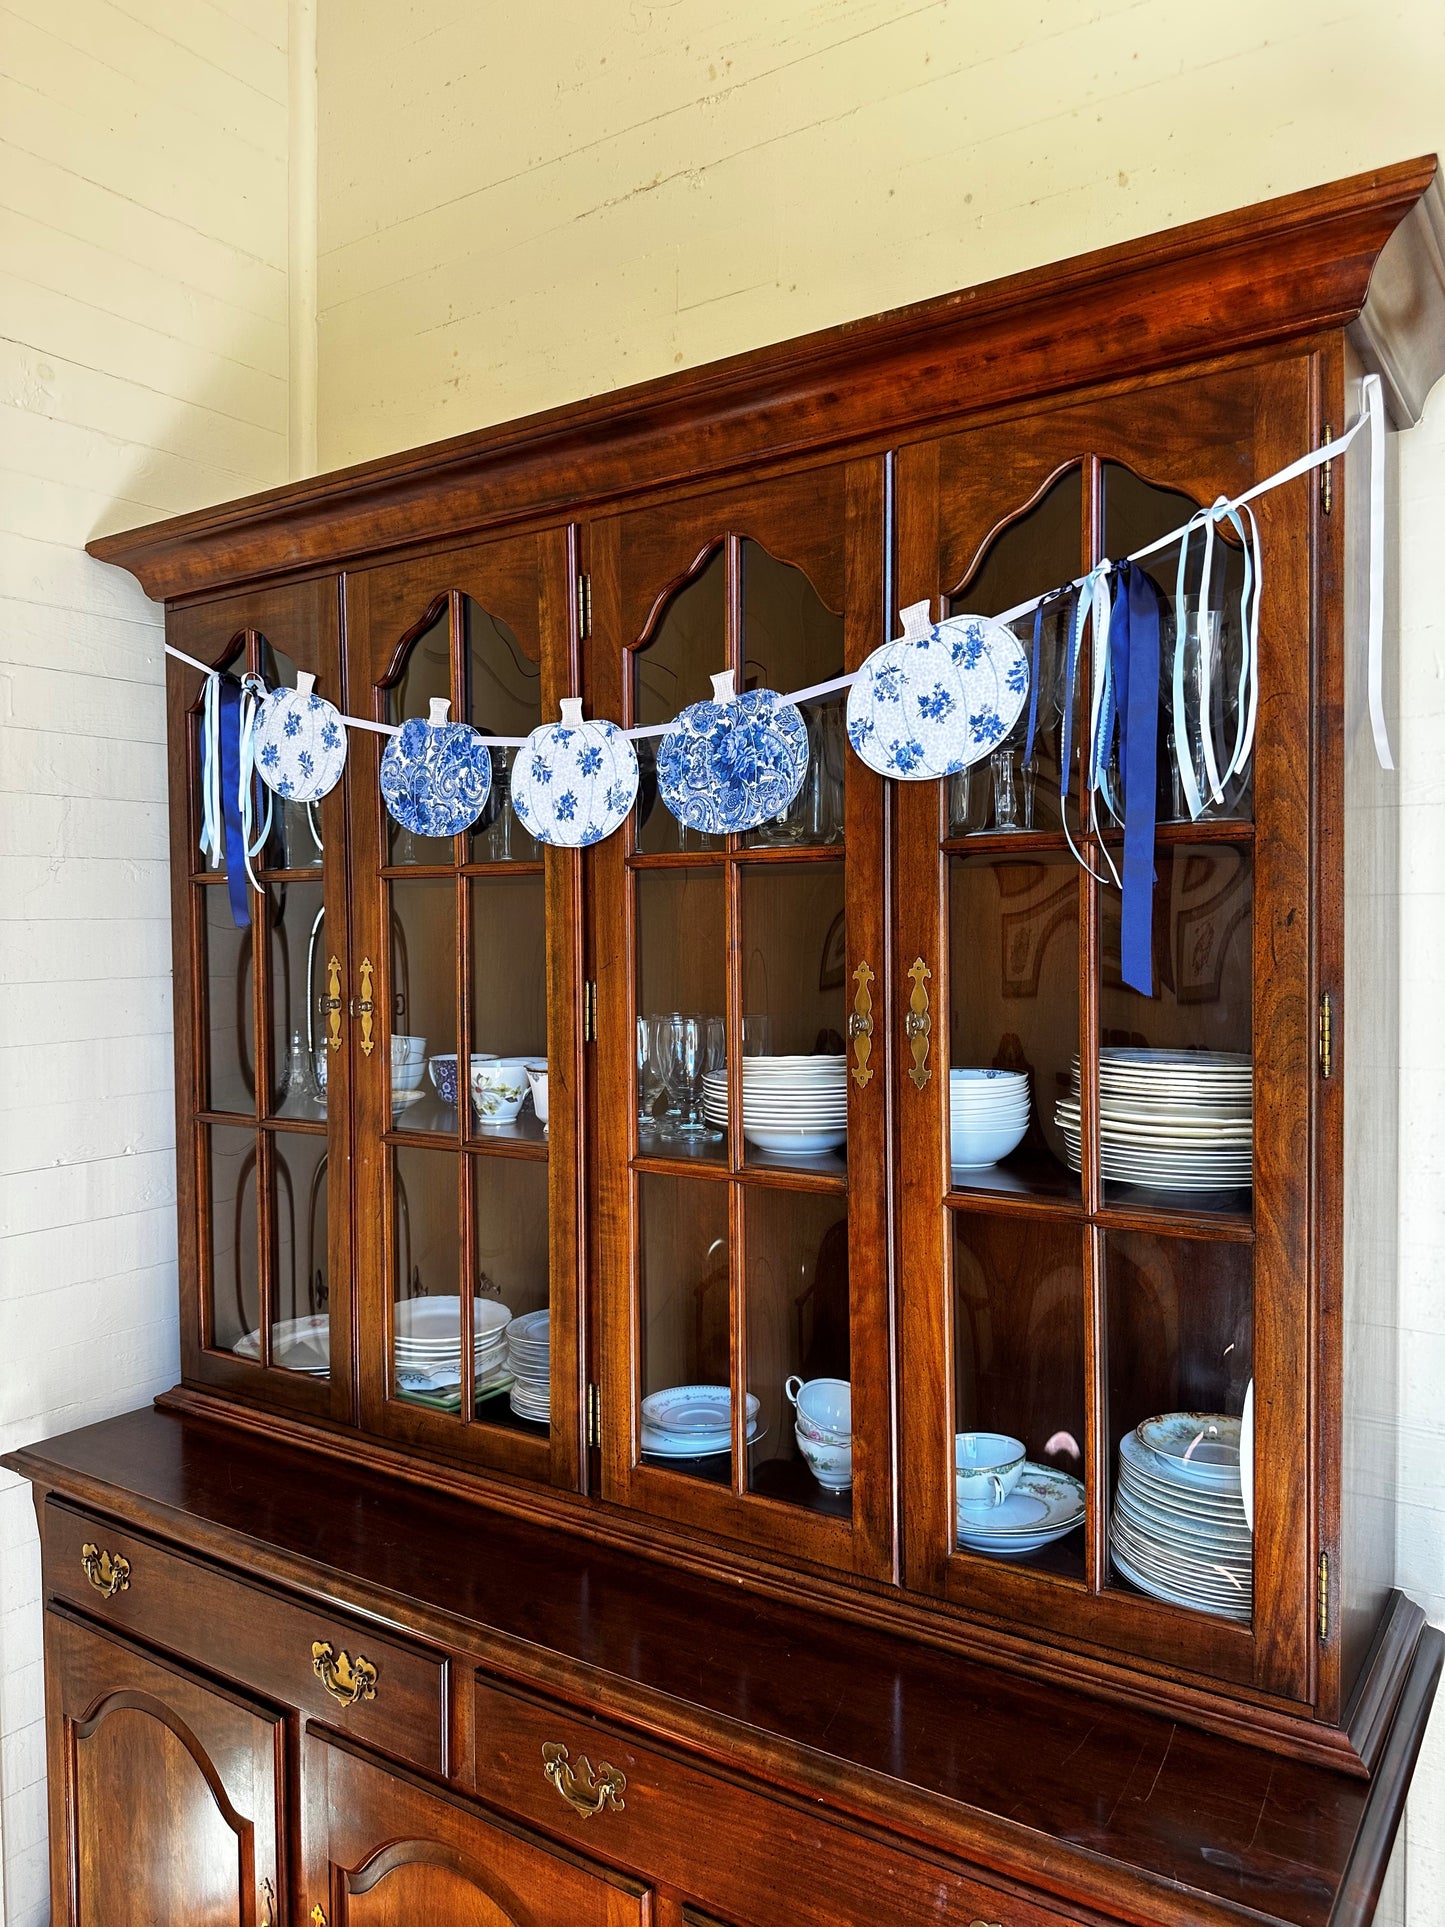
(584, 606)
(594, 1416)
(1327, 476)
(589, 1012)
(1327, 1035)
(1324, 1598)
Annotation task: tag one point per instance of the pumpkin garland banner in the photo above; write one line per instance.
(927, 705)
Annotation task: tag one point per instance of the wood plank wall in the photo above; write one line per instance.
(143, 370)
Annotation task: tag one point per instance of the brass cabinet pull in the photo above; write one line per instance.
(364, 1008)
(918, 1024)
(318, 1915)
(345, 1679)
(860, 1026)
(268, 1903)
(331, 1004)
(108, 1572)
(586, 1791)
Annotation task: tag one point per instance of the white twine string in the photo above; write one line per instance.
(1371, 416)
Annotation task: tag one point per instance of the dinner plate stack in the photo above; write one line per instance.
(297, 1345)
(529, 1352)
(693, 1422)
(1044, 1506)
(1174, 1120)
(988, 1114)
(791, 1105)
(428, 1341)
(1179, 1531)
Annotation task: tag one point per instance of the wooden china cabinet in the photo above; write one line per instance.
(333, 1640)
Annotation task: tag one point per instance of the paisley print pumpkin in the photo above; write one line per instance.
(943, 696)
(436, 775)
(730, 764)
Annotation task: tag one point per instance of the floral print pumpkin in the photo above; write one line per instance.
(943, 696)
(574, 781)
(436, 775)
(732, 763)
(299, 742)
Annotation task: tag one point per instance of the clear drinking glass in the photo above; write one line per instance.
(686, 1043)
(649, 1080)
(659, 1050)
(757, 1035)
(714, 1058)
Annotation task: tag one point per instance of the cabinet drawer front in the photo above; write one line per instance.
(386, 1694)
(737, 1850)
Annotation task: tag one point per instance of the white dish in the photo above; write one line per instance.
(1246, 1456)
(1202, 1446)
(690, 1410)
(297, 1345)
(423, 1321)
(1044, 1506)
(1174, 1596)
(668, 1445)
(788, 1143)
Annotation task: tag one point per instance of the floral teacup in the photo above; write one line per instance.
(824, 1407)
(499, 1090)
(987, 1467)
(443, 1071)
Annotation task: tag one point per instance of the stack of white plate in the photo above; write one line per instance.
(529, 1352)
(796, 1105)
(988, 1114)
(1175, 1120)
(693, 1422)
(1044, 1506)
(1179, 1531)
(428, 1342)
(297, 1345)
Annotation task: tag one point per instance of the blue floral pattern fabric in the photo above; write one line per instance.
(435, 777)
(943, 696)
(573, 781)
(730, 765)
(299, 743)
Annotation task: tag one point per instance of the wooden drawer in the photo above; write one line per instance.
(752, 1857)
(252, 1637)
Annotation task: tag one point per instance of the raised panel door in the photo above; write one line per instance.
(382, 1851)
(165, 1793)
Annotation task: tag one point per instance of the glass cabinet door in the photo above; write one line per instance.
(741, 1237)
(1101, 1200)
(263, 1072)
(467, 1087)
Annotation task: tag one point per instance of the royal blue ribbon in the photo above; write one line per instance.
(1134, 655)
(230, 746)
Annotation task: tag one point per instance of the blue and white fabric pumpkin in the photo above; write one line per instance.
(298, 742)
(573, 781)
(436, 775)
(943, 696)
(732, 763)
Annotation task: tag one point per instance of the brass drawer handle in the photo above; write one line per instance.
(918, 1023)
(108, 1572)
(331, 1003)
(366, 1004)
(586, 1791)
(860, 1026)
(345, 1679)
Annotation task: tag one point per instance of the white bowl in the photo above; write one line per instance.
(408, 1063)
(830, 1465)
(972, 1146)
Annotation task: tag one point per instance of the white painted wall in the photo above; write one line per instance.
(523, 205)
(143, 365)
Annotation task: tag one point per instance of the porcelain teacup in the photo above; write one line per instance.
(824, 1407)
(499, 1090)
(987, 1467)
(536, 1070)
(830, 1465)
(443, 1070)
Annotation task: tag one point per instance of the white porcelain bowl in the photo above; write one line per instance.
(973, 1145)
(830, 1465)
(408, 1063)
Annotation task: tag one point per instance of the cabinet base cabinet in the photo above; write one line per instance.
(250, 1655)
(165, 1791)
